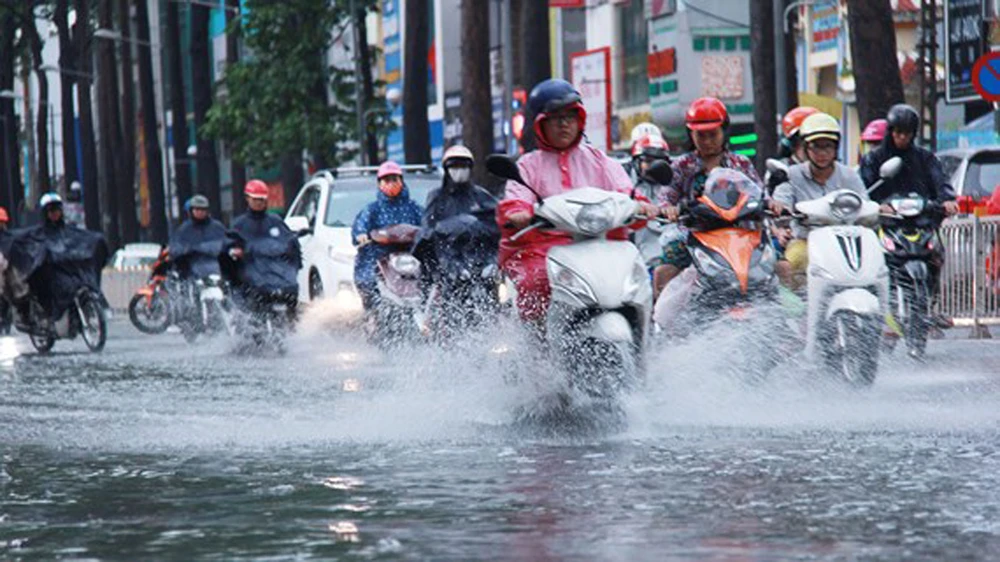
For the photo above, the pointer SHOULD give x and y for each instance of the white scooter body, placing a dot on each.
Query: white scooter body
(600, 288)
(847, 270)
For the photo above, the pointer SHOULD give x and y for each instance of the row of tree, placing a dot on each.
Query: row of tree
(281, 106)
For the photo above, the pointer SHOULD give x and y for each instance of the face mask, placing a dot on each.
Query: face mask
(391, 189)
(459, 175)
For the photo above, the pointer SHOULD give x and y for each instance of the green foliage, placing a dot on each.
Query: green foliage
(282, 97)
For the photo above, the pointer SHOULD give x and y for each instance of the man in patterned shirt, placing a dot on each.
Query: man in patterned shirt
(707, 121)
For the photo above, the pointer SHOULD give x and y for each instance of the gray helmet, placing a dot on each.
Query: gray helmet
(199, 202)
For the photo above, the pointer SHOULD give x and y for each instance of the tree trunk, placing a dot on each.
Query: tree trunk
(151, 138)
(367, 85)
(477, 104)
(416, 128)
(292, 176)
(9, 151)
(88, 145)
(765, 104)
(42, 119)
(791, 80)
(110, 130)
(201, 79)
(67, 62)
(878, 85)
(536, 65)
(237, 170)
(179, 129)
(127, 187)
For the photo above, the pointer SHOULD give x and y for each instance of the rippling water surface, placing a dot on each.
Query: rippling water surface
(156, 450)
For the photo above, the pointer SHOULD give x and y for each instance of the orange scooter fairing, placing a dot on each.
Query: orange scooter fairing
(736, 245)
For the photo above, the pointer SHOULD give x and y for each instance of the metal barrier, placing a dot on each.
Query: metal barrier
(970, 279)
(118, 286)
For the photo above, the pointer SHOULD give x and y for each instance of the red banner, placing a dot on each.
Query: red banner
(567, 3)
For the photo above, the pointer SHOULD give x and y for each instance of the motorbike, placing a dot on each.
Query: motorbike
(847, 282)
(264, 289)
(598, 319)
(149, 309)
(86, 317)
(203, 308)
(397, 316)
(459, 257)
(909, 236)
(731, 284)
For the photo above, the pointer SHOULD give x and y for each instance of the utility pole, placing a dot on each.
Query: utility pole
(780, 62)
(927, 73)
(359, 102)
(508, 73)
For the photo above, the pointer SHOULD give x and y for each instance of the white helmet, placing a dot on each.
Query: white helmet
(50, 198)
(643, 130)
(457, 152)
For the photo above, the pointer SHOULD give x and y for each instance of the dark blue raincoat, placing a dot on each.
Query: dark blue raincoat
(195, 248)
(272, 256)
(58, 260)
(381, 213)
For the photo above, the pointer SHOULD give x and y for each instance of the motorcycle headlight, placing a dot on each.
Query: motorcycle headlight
(595, 218)
(706, 263)
(634, 281)
(405, 264)
(845, 206)
(343, 254)
(571, 282)
(908, 206)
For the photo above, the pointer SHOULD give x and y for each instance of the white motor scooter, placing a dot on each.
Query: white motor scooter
(847, 280)
(601, 293)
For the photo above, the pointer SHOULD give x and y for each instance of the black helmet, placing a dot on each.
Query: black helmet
(902, 117)
(552, 95)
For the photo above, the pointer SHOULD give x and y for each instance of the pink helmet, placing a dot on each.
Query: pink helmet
(875, 131)
(389, 168)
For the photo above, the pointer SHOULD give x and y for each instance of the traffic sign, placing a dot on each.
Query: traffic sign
(986, 76)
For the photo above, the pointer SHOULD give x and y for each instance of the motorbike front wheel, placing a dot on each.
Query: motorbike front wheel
(851, 350)
(150, 315)
(93, 323)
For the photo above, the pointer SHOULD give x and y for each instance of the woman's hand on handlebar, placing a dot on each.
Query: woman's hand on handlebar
(648, 210)
(519, 219)
(950, 208)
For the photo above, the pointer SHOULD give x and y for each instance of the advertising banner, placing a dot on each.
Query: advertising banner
(590, 73)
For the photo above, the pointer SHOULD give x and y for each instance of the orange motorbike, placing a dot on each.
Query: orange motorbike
(150, 310)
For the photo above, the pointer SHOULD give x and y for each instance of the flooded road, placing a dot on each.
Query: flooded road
(156, 450)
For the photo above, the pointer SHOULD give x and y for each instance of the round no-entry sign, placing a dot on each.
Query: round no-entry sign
(986, 76)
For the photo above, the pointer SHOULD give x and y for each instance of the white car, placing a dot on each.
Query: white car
(140, 255)
(327, 205)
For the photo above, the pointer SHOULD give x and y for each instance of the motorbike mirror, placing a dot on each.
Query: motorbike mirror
(660, 172)
(890, 167)
(774, 166)
(504, 167)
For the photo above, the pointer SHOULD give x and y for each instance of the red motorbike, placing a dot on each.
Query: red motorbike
(149, 310)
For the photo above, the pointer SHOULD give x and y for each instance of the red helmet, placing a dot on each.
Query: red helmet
(792, 120)
(652, 146)
(4, 217)
(875, 131)
(256, 189)
(705, 114)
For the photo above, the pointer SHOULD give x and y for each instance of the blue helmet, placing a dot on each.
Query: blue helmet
(552, 95)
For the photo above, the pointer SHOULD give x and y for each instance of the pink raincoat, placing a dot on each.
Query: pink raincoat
(550, 173)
